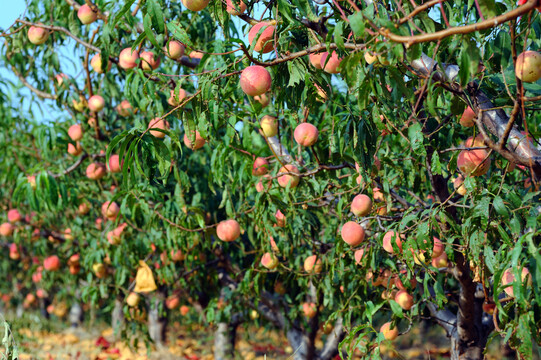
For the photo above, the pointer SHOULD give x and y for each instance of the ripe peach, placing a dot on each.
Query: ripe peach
(438, 248)
(508, 278)
(359, 255)
(96, 64)
(177, 96)
(370, 57)
(309, 309)
(75, 150)
(86, 15)
(198, 55)
(92, 122)
(265, 41)
(265, 182)
(158, 123)
(114, 236)
(132, 299)
(83, 208)
(110, 210)
(321, 93)
(99, 270)
(398, 283)
(235, 7)
(51, 263)
(331, 65)
(467, 118)
(315, 60)
(261, 166)
(195, 5)
(440, 261)
(149, 60)
(255, 80)
(269, 260)
(174, 49)
(32, 181)
(361, 205)
(388, 333)
(306, 134)
(228, 230)
(404, 299)
(14, 215)
(392, 237)
(263, 99)
(177, 255)
(95, 171)
(313, 265)
(352, 233)
(468, 160)
(274, 247)
(291, 180)
(458, 184)
(96, 103)
(528, 66)
(172, 302)
(197, 144)
(60, 78)
(124, 108)
(280, 218)
(128, 58)
(184, 310)
(269, 126)
(6, 229)
(114, 164)
(75, 132)
(37, 35)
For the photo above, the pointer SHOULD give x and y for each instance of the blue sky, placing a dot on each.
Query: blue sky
(11, 9)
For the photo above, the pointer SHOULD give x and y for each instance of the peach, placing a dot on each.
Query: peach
(6, 229)
(195, 5)
(388, 333)
(83, 208)
(37, 35)
(99, 270)
(114, 164)
(309, 309)
(75, 132)
(228, 230)
(60, 78)
(198, 55)
(458, 185)
(96, 64)
(265, 42)
(352, 233)
(404, 299)
(315, 60)
(269, 260)
(128, 58)
(95, 171)
(359, 255)
(321, 93)
(174, 50)
(32, 181)
(313, 265)
(370, 57)
(269, 126)
(40, 293)
(110, 210)
(172, 302)
(114, 236)
(158, 123)
(528, 66)
(177, 255)
(508, 278)
(149, 60)
(392, 237)
(132, 299)
(75, 150)
(96, 103)
(184, 310)
(361, 205)
(235, 7)
(74, 259)
(438, 248)
(265, 182)
(280, 218)
(197, 144)
(332, 64)
(291, 180)
(398, 283)
(263, 99)
(274, 247)
(124, 108)
(14, 216)
(86, 15)
(261, 166)
(306, 134)
(467, 118)
(469, 160)
(177, 96)
(92, 122)
(255, 80)
(51, 263)
(440, 261)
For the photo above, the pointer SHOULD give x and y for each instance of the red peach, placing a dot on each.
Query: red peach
(291, 180)
(197, 144)
(75, 150)
(359, 255)
(392, 237)
(388, 333)
(404, 299)
(37, 35)
(149, 60)
(110, 210)
(352, 233)
(75, 132)
(315, 60)
(95, 171)
(361, 205)
(265, 41)
(280, 218)
(269, 260)
(172, 302)
(306, 134)
(528, 66)
(467, 118)
(469, 160)
(96, 64)
(158, 123)
(128, 58)
(255, 80)
(177, 96)
(114, 164)
(440, 261)
(184, 310)
(83, 208)
(51, 263)
(124, 108)
(14, 216)
(6, 229)
(228, 230)
(195, 5)
(174, 50)
(86, 15)
(96, 103)
(235, 8)
(309, 309)
(313, 265)
(508, 279)
(261, 167)
(331, 65)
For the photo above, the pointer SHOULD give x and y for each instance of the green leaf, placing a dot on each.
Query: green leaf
(179, 33)
(356, 21)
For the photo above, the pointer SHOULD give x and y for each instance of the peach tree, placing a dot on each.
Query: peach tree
(338, 167)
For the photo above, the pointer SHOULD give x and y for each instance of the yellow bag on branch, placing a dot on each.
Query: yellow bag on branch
(144, 280)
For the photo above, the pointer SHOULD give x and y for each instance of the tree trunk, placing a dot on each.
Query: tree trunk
(76, 315)
(43, 303)
(117, 318)
(157, 320)
(224, 341)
